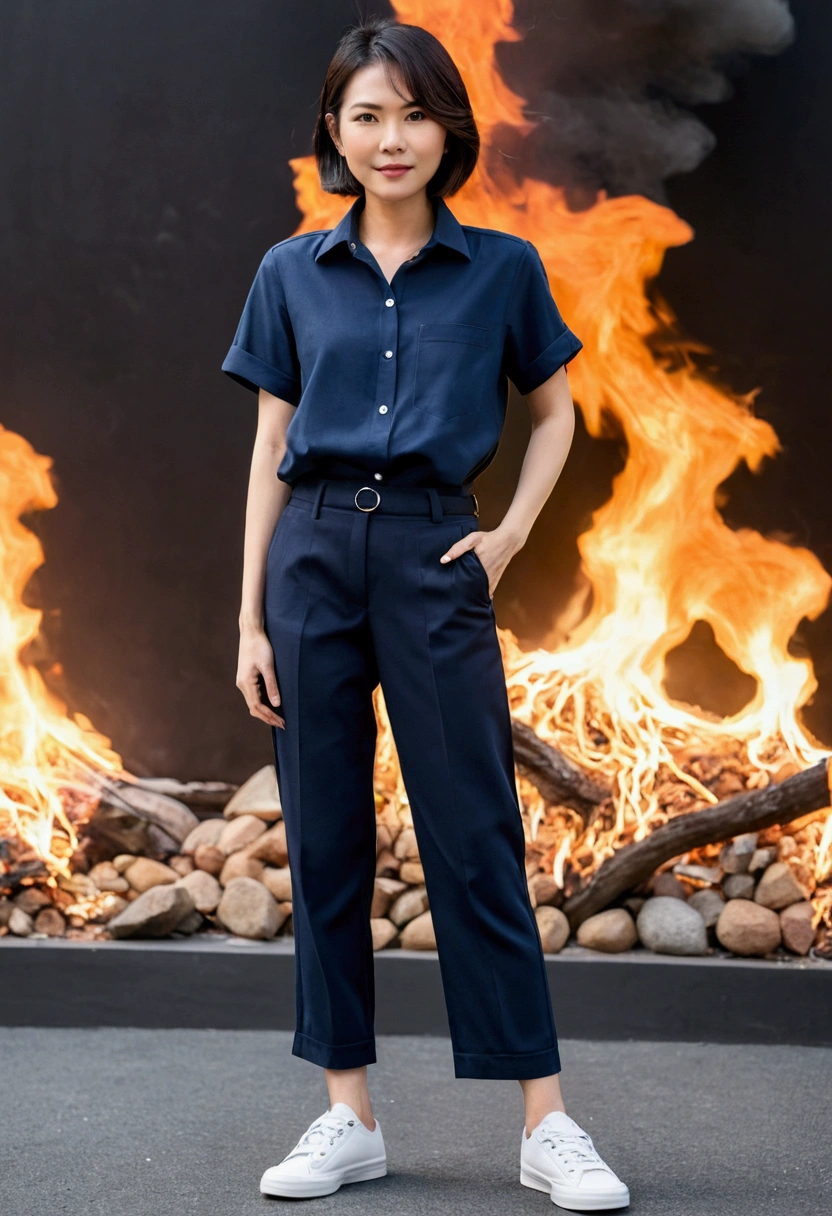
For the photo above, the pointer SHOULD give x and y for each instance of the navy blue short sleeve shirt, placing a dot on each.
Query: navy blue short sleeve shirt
(405, 382)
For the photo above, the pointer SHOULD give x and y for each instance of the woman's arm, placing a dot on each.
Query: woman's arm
(267, 496)
(553, 425)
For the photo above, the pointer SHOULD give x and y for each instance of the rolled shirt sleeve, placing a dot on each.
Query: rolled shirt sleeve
(537, 340)
(263, 353)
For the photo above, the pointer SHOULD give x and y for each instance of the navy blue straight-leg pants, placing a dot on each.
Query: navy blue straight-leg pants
(357, 597)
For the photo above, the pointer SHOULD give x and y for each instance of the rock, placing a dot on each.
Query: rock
(779, 887)
(796, 927)
(122, 860)
(203, 889)
(240, 865)
(107, 878)
(383, 931)
(51, 922)
(634, 904)
(145, 873)
(667, 925)
(553, 928)
(406, 847)
(787, 847)
(238, 832)
(668, 885)
(736, 856)
(31, 899)
(206, 832)
(110, 882)
(384, 837)
(610, 931)
(20, 923)
(209, 858)
(418, 933)
(761, 859)
(747, 928)
(156, 912)
(544, 890)
(6, 906)
(248, 909)
(287, 928)
(258, 796)
(709, 904)
(728, 784)
(387, 864)
(182, 865)
(739, 886)
(384, 892)
(80, 885)
(279, 882)
(271, 846)
(412, 872)
(711, 874)
(410, 904)
(111, 906)
(191, 924)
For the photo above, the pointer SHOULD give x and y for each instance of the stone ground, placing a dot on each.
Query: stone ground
(141, 1122)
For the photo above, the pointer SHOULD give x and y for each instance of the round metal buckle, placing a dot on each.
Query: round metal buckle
(372, 490)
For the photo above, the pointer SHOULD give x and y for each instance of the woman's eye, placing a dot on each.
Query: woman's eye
(368, 115)
(416, 113)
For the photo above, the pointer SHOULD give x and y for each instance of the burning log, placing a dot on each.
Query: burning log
(752, 811)
(167, 814)
(558, 779)
(198, 795)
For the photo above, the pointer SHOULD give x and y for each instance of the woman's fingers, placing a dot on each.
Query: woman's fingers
(250, 684)
(456, 550)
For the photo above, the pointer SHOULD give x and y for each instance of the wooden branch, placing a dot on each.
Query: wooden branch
(558, 779)
(198, 794)
(751, 811)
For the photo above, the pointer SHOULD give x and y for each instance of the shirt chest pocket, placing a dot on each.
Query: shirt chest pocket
(449, 379)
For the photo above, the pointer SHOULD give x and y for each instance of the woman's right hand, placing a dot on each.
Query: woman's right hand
(257, 659)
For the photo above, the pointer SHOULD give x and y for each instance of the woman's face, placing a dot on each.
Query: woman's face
(379, 128)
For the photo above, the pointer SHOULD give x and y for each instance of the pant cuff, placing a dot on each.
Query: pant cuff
(507, 1067)
(349, 1055)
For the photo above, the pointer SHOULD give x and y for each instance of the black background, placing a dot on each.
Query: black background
(146, 149)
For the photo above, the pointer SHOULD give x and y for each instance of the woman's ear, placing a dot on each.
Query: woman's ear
(332, 127)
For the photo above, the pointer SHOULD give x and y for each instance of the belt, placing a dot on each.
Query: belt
(390, 500)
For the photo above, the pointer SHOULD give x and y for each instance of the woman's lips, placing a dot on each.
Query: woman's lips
(395, 172)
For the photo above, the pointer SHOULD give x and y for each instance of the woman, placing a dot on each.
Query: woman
(380, 350)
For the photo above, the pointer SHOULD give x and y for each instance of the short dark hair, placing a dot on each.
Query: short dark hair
(433, 81)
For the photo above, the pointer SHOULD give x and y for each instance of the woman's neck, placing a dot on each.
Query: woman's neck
(404, 225)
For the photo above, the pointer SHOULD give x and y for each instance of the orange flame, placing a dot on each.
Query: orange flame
(48, 761)
(659, 556)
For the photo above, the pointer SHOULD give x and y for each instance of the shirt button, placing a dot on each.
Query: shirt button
(377, 476)
(388, 354)
(352, 244)
(382, 409)
(389, 303)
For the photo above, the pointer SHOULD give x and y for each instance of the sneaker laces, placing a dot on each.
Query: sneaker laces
(576, 1148)
(328, 1128)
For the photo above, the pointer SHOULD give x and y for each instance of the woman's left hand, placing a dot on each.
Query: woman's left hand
(495, 549)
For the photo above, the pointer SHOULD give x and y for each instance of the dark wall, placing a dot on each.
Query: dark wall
(146, 150)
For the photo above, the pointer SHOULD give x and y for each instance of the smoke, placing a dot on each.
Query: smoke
(609, 81)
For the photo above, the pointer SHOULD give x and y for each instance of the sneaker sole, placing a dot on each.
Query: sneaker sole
(576, 1201)
(309, 1188)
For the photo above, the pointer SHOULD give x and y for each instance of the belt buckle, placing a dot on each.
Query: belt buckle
(372, 490)
(476, 504)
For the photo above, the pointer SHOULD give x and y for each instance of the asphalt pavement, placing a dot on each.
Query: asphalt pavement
(98, 1122)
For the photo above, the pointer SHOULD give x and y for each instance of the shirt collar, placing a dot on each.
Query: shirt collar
(447, 230)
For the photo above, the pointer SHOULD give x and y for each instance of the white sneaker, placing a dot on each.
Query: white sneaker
(559, 1157)
(336, 1148)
